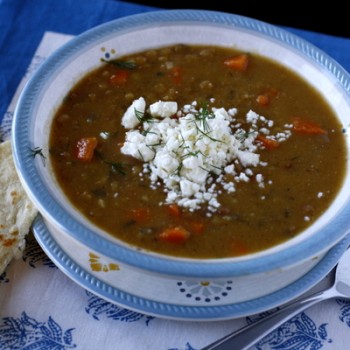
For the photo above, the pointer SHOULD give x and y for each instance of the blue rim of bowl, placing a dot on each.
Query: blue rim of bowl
(331, 233)
(185, 312)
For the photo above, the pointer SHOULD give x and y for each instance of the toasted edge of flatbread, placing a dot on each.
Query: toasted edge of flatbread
(17, 212)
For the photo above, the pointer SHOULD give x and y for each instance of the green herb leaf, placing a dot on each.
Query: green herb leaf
(242, 136)
(117, 167)
(38, 151)
(121, 64)
(143, 117)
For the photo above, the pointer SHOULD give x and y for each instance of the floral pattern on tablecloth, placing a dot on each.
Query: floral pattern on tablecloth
(26, 333)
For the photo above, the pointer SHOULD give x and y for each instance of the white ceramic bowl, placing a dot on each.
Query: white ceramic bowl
(125, 268)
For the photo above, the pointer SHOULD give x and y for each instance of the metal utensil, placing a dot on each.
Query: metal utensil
(247, 336)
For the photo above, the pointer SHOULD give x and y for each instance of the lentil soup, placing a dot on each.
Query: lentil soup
(197, 151)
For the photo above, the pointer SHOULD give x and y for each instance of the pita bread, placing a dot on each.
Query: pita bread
(16, 210)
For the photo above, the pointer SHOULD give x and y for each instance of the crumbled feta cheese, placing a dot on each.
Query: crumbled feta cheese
(230, 169)
(264, 131)
(260, 180)
(249, 172)
(248, 158)
(169, 65)
(166, 163)
(232, 112)
(229, 187)
(129, 119)
(104, 135)
(252, 117)
(135, 146)
(198, 154)
(163, 109)
(242, 177)
(188, 188)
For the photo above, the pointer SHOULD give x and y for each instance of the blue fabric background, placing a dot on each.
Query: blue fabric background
(23, 23)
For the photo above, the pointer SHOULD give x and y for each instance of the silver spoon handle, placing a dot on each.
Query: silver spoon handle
(249, 335)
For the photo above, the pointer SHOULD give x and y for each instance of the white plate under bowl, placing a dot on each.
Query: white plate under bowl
(194, 293)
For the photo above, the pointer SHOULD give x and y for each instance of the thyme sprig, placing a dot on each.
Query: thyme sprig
(145, 132)
(116, 167)
(192, 154)
(37, 151)
(121, 64)
(243, 135)
(203, 115)
(206, 133)
(201, 122)
(141, 155)
(143, 116)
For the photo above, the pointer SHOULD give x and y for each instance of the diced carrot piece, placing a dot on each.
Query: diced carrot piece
(196, 227)
(177, 235)
(238, 247)
(272, 92)
(238, 62)
(269, 144)
(307, 127)
(85, 148)
(263, 100)
(174, 210)
(119, 78)
(176, 75)
(140, 215)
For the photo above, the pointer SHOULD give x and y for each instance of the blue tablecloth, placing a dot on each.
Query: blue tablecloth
(40, 308)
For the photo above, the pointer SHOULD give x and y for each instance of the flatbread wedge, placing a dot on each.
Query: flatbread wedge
(17, 212)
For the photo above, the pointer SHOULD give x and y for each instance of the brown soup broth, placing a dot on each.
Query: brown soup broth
(302, 176)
